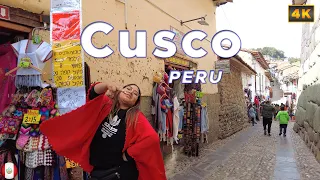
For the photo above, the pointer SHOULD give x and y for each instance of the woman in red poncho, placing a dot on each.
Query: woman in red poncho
(110, 139)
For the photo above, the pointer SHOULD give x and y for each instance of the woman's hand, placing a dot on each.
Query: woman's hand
(108, 88)
(124, 157)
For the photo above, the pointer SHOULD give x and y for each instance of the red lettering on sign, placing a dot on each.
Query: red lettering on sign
(4, 12)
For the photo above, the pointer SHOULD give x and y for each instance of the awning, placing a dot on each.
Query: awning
(243, 66)
(268, 75)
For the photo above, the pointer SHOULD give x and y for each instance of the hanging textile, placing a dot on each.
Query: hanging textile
(176, 118)
(192, 125)
(178, 87)
(37, 54)
(29, 108)
(177, 114)
(87, 76)
(204, 123)
(8, 61)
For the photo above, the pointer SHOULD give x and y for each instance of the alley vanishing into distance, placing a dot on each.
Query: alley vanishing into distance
(250, 154)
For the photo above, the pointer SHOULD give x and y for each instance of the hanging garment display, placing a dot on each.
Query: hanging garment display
(176, 118)
(178, 87)
(192, 125)
(183, 123)
(204, 123)
(37, 55)
(8, 61)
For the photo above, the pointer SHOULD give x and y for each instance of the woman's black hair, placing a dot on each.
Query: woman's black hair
(138, 100)
(282, 108)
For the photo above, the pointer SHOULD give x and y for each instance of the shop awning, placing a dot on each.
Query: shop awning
(243, 66)
(268, 75)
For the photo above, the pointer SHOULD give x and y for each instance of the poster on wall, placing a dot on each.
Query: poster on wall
(177, 40)
(70, 98)
(66, 25)
(67, 62)
(60, 4)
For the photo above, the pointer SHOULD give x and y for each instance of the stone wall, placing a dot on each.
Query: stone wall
(308, 119)
(232, 116)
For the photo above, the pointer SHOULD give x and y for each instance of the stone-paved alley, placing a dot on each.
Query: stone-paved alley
(251, 155)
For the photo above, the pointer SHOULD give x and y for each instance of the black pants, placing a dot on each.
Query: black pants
(267, 121)
(252, 121)
(284, 127)
(127, 171)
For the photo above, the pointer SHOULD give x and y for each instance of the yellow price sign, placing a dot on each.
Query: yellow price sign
(178, 61)
(31, 118)
(70, 163)
(67, 64)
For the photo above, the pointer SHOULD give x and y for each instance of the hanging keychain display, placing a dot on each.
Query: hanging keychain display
(36, 38)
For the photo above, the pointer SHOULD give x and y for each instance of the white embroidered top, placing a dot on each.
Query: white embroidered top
(38, 53)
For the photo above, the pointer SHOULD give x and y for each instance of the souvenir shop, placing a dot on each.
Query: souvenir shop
(179, 114)
(26, 100)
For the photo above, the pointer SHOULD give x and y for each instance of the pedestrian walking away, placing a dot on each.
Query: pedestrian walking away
(252, 114)
(283, 118)
(277, 109)
(267, 114)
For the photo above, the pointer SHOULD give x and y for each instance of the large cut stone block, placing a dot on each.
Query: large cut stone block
(296, 127)
(306, 126)
(302, 101)
(316, 98)
(300, 116)
(318, 156)
(311, 134)
(316, 137)
(310, 112)
(316, 120)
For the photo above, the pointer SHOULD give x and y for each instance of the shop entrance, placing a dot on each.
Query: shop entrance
(11, 35)
(8, 61)
(177, 110)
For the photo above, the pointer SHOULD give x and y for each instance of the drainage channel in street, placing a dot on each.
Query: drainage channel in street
(286, 167)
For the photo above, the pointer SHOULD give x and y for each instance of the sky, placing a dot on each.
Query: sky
(261, 23)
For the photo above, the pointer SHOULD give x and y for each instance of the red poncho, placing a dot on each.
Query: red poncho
(71, 134)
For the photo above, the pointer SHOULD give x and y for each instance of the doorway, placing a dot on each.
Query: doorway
(8, 61)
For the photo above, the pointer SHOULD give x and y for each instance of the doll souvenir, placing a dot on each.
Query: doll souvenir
(17, 97)
(8, 111)
(32, 99)
(18, 114)
(45, 97)
(45, 113)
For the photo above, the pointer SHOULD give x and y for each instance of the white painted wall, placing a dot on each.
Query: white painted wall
(259, 81)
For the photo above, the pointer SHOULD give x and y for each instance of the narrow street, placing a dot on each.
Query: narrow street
(251, 155)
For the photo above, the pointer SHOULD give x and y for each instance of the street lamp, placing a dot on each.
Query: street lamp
(202, 21)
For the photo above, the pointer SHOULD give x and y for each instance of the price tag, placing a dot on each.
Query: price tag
(70, 163)
(32, 117)
(25, 62)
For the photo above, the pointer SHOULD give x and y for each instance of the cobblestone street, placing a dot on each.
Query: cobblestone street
(251, 155)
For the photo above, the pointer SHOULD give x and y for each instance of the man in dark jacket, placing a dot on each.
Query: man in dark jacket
(267, 113)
